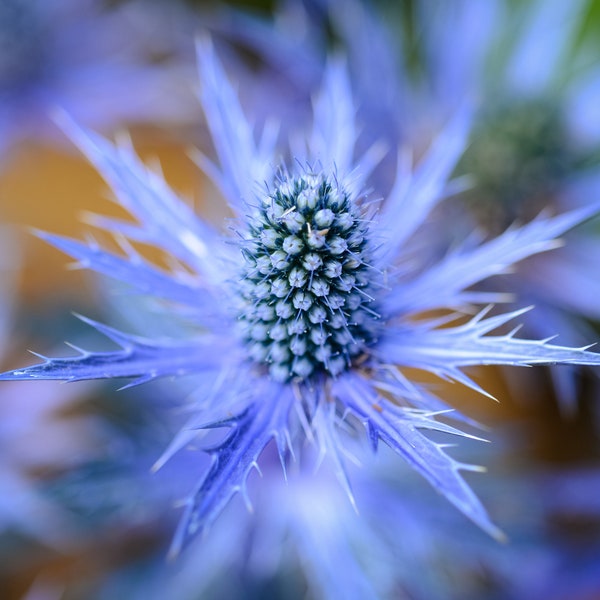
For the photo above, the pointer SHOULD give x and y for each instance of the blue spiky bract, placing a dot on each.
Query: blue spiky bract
(304, 317)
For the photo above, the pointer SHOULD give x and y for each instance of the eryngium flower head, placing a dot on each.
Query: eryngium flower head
(302, 320)
(306, 286)
(97, 62)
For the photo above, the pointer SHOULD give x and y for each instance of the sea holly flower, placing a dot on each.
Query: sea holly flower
(535, 143)
(81, 55)
(35, 438)
(527, 149)
(302, 318)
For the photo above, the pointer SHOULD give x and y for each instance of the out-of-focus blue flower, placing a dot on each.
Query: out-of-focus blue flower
(529, 149)
(535, 141)
(318, 311)
(101, 64)
(35, 439)
(304, 539)
(300, 533)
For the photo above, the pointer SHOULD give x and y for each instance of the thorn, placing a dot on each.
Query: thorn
(246, 497)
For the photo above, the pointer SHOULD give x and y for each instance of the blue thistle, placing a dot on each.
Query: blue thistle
(302, 320)
(81, 55)
(535, 144)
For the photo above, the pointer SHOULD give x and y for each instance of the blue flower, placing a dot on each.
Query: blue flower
(535, 143)
(34, 437)
(93, 61)
(402, 540)
(319, 309)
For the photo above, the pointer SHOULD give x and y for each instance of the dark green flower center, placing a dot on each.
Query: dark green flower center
(519, 154)
(306, 282)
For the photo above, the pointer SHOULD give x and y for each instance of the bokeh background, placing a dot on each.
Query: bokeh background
(81, 515)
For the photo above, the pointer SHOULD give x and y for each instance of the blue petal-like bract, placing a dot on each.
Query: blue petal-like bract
(443, 350)
(140, 358)
(400, 430)
(443, 284)
(243, 163)
(415, 195)
(250, 432)
(164, 220)
(132, 270)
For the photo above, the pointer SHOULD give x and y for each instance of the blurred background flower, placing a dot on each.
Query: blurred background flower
(107, 66)
(40, 436)
(534, 146)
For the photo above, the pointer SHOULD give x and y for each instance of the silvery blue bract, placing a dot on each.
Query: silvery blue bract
(96, 61)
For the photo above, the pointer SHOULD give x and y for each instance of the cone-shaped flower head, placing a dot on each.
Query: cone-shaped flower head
(307, 279)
